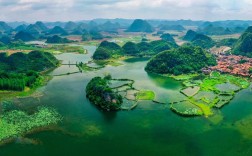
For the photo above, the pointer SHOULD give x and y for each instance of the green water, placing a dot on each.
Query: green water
(150, 129)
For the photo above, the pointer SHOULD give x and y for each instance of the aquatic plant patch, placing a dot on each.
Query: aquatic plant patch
(145, 95)
(16, 123)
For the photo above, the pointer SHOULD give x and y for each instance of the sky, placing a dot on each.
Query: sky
(75, 10)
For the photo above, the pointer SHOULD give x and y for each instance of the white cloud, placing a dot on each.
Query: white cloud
(87, 9)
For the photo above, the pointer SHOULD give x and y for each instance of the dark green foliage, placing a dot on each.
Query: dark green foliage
(21, 63)
(107, 50)
(130, 48)
(203, 41)
(19, 70)
(101, 54)
(244, 44)
(167, 37)
(110, 45)
(144, 46)
(100, 94)
(140, 26)
(144, 40)
(250, 70)
(17, 82)
(161, 45)
(24, 36)
(227, 42)
(189, 35)
(242, 61)
(183, 60)
(57, 39)
(248, 30)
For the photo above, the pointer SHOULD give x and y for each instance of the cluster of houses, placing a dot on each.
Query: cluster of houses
(232, 64)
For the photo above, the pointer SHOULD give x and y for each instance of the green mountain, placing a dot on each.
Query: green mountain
(244, 44)
(57, 30)
(57, 39)
(4, 27)
(214, 30)
(140, 26)
(5, 40)
(107, 50)
(41, 26)
(91, 35)
(183, 60)
(22, 63)
(110, 27)
(34, 30)
(189, 35)
(203, 41)
(21, 28)
(24, 36)
(172, 27)
(70, 26)
(167, 37)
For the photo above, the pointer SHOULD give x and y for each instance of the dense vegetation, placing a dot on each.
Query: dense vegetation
(100, 94)
(214, 30)
(230, 42)
(167, 37)
(57, 39)
(140, 26)
(21, 63)
(19, 70)
(24, 36)
(203, 41)
(91, 35)
(17, 123)
(244, 44)
(16, 81)
(199, 39)
(130, 48)
(107, 50)
(186, 59)
(189, 35)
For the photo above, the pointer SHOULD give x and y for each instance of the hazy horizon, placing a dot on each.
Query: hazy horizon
(77, 10)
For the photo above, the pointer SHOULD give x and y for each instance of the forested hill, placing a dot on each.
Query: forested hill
(183, 60)
(107, 50)
(21, 63)
(244, 45)
(140, 26)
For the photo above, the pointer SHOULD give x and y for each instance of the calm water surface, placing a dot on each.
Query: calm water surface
(150, 129)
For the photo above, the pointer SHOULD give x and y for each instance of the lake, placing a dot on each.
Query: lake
(150, 129)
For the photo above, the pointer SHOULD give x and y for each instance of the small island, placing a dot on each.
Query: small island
(101, 94)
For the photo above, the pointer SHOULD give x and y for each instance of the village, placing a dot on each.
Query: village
(232, 64)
